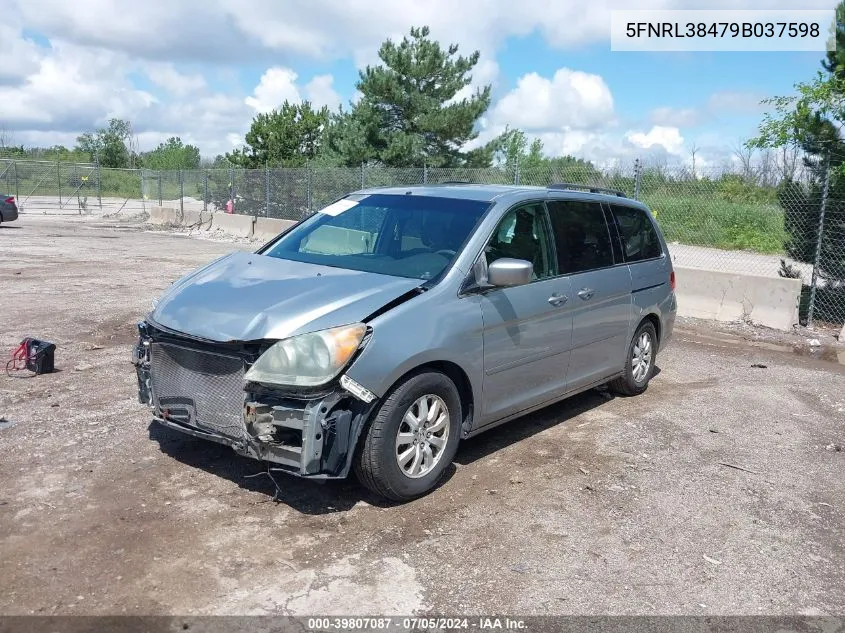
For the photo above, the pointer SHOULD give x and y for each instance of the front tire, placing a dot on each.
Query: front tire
(412, 438)
(640, 362)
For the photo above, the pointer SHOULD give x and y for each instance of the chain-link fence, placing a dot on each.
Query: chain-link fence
(70, 188)
(736, 218)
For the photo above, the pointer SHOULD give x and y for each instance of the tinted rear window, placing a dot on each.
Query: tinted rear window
(581, 235)
(399, 235)
(639, 239)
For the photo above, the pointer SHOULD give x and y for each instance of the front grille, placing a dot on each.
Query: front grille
(203, 389)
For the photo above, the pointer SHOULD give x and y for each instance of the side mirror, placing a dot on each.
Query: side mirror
(507, 272)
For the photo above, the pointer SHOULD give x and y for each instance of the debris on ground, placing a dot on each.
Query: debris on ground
(735, 467)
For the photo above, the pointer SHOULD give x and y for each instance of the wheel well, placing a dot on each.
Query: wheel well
(456, 375)
(656, 323)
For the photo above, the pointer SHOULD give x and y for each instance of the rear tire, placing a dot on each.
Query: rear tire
(639, 363)
(412, 438)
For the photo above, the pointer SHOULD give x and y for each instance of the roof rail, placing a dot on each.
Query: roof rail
(454, 182)
(590, 188)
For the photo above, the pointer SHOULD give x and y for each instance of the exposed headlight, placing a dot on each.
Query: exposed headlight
(308, 360)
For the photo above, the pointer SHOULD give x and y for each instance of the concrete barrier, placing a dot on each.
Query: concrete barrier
(720, 296)
(267, 228)
(197, 219)
(238, 225)
(163, 215)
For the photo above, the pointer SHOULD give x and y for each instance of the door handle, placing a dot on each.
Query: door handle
(558, 300)
(585, 293)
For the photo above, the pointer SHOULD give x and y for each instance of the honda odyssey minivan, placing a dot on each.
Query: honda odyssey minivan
(379, 332)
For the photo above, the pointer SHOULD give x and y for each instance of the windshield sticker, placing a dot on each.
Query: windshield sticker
(338, 207)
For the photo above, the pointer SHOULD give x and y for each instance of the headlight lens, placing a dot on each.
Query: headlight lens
(308, 360)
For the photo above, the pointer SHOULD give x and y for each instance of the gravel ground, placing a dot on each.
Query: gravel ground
(718, 491)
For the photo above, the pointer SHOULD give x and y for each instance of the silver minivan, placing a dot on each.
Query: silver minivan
(377, 333)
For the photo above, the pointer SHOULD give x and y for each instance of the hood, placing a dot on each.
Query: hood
(247, 297)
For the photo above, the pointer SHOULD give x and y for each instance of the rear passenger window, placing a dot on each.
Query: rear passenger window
(581, 235)
(639, 239)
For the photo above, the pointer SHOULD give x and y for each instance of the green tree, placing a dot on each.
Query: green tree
(410, 112)
(812, 120)
(172, 154)
(513, 151)
(108, 145)
(288, 137)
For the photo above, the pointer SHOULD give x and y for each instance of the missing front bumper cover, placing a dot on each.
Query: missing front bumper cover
(307, 435)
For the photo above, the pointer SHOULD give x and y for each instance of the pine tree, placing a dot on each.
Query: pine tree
(410, 111)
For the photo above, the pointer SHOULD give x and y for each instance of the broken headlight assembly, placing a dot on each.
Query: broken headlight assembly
(308, 360)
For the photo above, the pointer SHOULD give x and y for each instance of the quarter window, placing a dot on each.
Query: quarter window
(581, 236)
(639, 238)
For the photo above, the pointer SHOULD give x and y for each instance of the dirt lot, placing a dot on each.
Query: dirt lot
(597, 505)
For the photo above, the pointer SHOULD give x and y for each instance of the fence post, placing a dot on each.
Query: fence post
(181, 196)
(17, 194)
(362, 174)
(308, 192)
(637, 179)
(160, 197)
(232, 187)
(266, 191)
(815, 279)
(205, 191)
(516, 173)
(143, 188)
(99, 186)
(425, 174)
(59, 182)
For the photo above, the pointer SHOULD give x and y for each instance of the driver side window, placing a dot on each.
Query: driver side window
(523, 234)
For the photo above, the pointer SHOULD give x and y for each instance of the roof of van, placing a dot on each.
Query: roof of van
(491, 193)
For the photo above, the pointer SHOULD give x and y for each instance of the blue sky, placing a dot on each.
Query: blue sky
(201, 69)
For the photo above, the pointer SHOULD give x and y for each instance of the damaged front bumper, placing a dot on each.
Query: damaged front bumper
(197, 388)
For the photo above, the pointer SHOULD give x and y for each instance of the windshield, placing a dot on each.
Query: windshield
(400, 235)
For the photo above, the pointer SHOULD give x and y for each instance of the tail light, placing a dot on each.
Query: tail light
(672, 279)
(10, 200)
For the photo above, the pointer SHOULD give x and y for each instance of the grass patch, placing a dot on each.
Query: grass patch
(718, 223)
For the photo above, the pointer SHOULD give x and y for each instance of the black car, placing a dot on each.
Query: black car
(8, 208)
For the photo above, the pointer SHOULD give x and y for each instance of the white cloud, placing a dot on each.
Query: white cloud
(165, 75)
(20, 56)
(667, 137)
(69, 86)
(85, 75)
(276, 86)
(230, 31)
(320, 92)
(570, 100)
